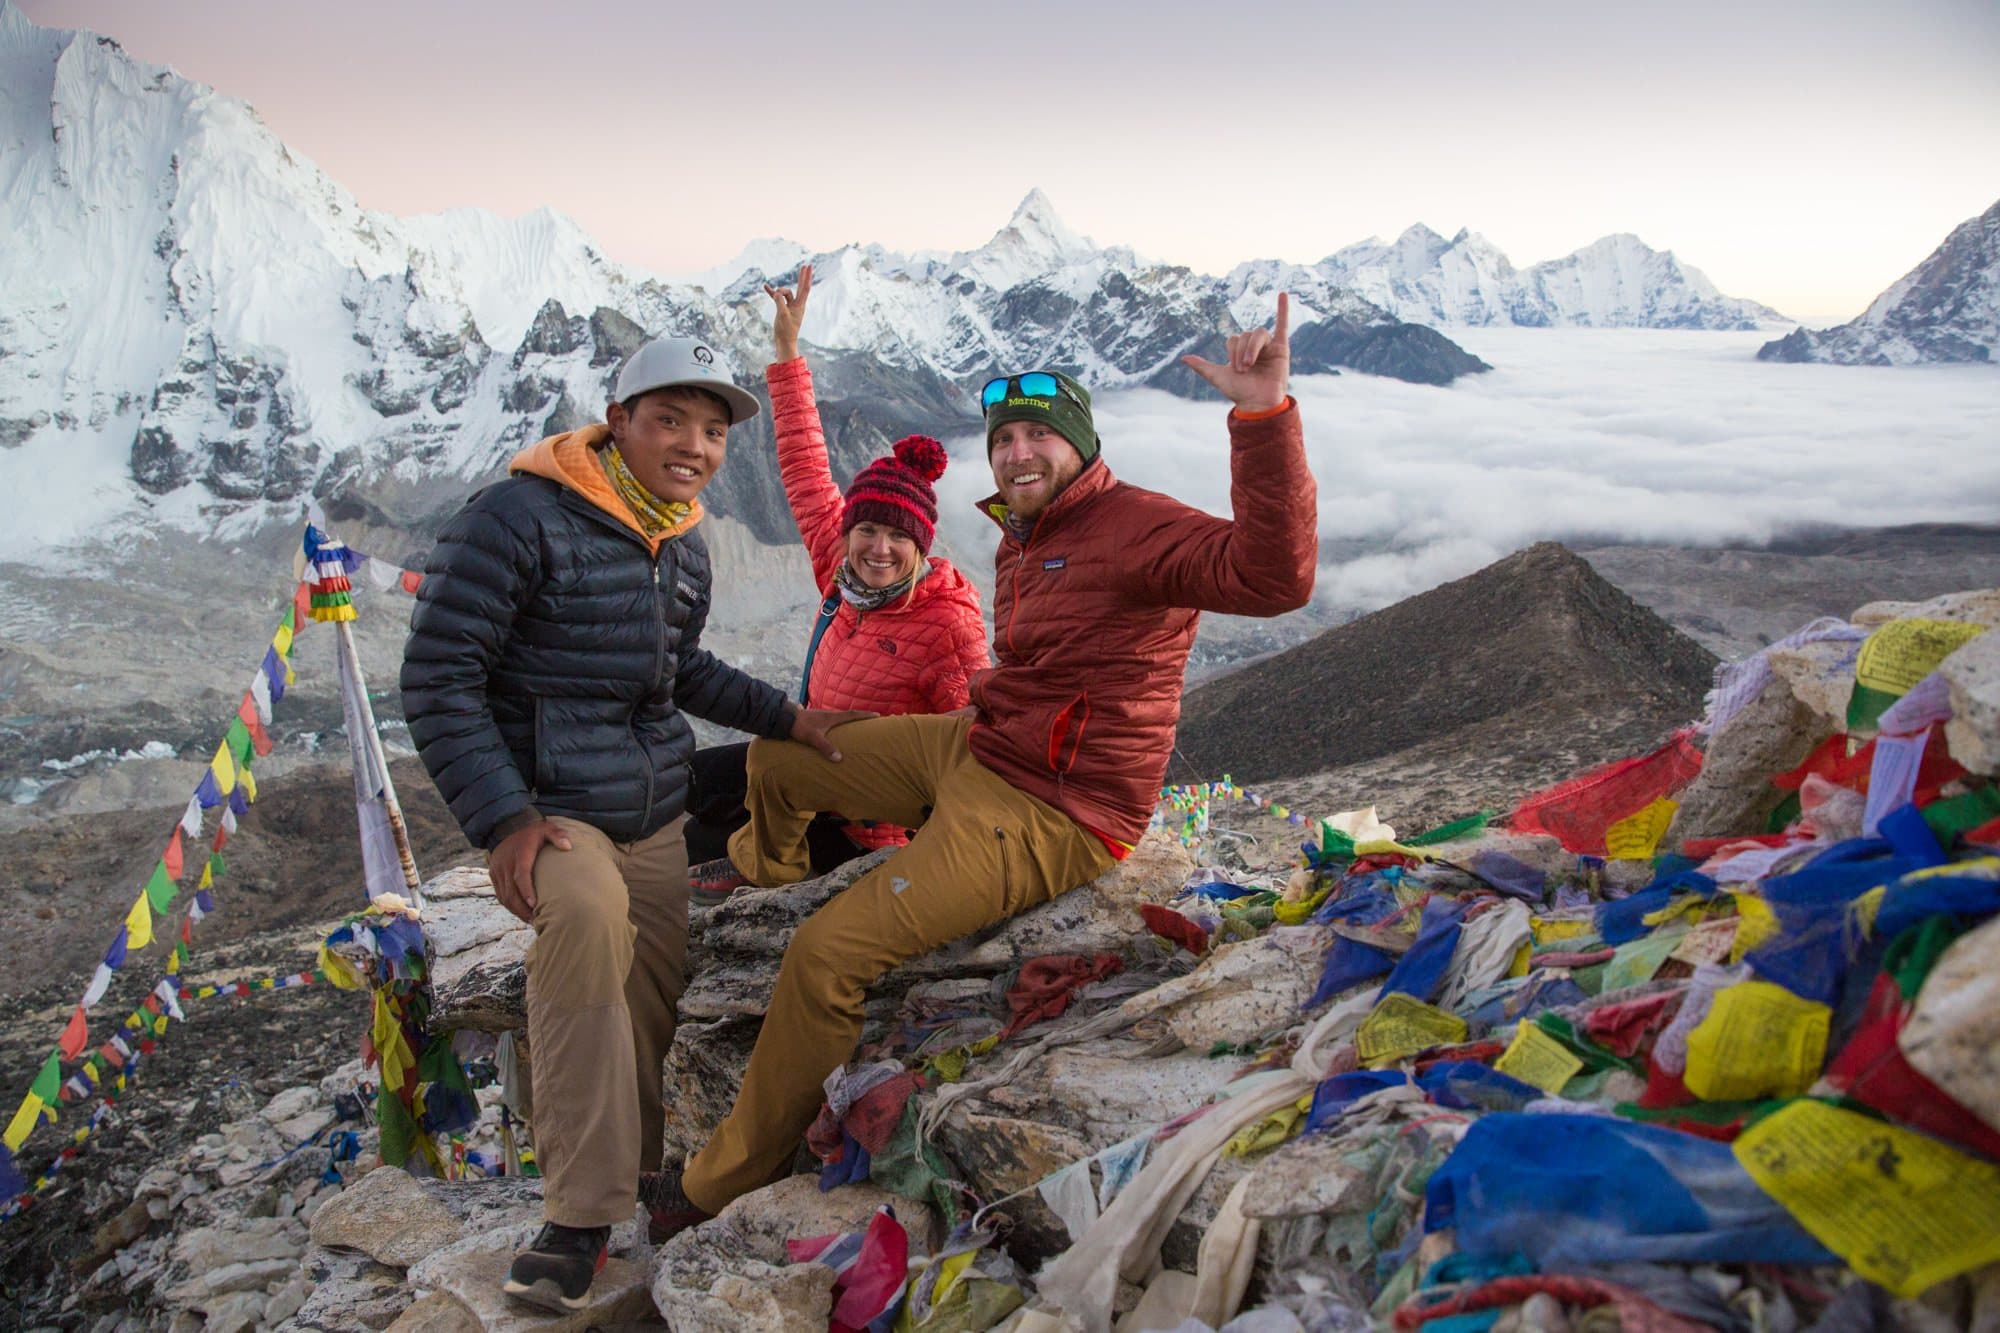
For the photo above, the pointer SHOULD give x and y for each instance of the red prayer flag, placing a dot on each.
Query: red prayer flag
(412, 580)
(1578, 812)
(74, 1035)
(171, 858)
(260, 740)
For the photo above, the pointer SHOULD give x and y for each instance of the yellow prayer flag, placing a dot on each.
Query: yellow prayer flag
(1637, 836)
(1756, 922)
(139, 924)
(224, 769)
(1402, 1025)
(1547, 932)
(391, 1048)
(1905, 1210)
(1902, 652)
(23, 1123)
(207, 877)
(1759, 1040)
(1537, 1058)
(282, 640)
(249, 781)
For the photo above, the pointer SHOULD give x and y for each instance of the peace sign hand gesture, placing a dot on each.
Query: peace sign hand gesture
(1257, 372)
(790, 314)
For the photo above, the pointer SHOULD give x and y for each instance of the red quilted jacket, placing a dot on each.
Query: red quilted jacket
(916, 657)
(1094, 614)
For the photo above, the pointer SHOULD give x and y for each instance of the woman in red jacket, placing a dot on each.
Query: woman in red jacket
(897, 631)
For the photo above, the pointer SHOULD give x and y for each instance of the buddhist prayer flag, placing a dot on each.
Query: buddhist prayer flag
(139, 924)
(260, 692)
(223, 769)
(160, 890)
(253, 725)
(100, 982)
(47, 1087)
(74, 1034)
(191, 817)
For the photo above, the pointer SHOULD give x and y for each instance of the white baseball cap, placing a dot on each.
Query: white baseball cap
(688, 363)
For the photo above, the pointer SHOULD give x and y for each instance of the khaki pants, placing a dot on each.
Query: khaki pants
(984, 852)
(608, 964)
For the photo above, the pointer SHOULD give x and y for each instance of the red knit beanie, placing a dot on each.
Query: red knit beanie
(896, 492)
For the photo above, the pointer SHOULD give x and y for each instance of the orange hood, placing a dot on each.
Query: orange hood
(571, 460)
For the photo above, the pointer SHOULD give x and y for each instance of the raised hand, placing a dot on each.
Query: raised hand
(790, 314)
(1257, 372)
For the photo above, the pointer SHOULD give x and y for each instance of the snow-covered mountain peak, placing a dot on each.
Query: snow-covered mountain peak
(1945, 309)
(1034, 243)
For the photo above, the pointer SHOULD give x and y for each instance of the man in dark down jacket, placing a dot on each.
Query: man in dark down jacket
(553, 653)
(1052, 774)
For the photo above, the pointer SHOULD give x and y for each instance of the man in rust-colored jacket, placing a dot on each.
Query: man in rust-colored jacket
(1052, 773)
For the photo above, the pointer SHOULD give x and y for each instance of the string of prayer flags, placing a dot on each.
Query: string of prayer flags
(330, 597)
(227, 783)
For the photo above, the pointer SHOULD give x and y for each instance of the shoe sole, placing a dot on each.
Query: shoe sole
(543, 1293)
(708, 897)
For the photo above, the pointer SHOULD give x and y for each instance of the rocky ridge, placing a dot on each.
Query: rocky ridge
(1615, 282)
(1945, 309)
(1537, 644)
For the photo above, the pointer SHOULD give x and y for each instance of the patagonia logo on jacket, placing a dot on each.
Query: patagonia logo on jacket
(1055, 562)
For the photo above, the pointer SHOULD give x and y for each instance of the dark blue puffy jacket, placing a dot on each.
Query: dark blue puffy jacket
(551, 658)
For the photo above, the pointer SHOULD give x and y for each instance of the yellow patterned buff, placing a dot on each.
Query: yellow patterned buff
(655, 515)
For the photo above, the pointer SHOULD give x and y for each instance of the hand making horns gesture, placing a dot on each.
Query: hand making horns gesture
(790, 314)
(1257, 373)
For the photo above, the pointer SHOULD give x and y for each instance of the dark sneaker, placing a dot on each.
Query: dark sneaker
(555, 1272)
(668, 1208)
(711, 882)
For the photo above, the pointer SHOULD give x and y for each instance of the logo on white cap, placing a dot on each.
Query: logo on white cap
(704, 356)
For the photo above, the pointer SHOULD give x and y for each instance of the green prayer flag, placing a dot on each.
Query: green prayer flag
(1458, 828)
(48, 1083)
(214, 864)
(1961, 813)
(238, 740)
(161, 889)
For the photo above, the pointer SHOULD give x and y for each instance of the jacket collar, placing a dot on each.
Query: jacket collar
(1094, 480)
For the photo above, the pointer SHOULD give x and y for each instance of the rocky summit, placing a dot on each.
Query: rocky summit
(1330, 1051)
(1535, 649)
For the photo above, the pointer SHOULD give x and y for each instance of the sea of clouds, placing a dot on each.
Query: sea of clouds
(1586, 436)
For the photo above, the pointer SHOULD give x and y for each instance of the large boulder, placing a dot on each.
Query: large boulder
(1973, 673)
(735, 950)
(1733, 793)
(477, 952)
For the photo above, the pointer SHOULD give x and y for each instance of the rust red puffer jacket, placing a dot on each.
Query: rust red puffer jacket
(916, 657)
(1094, 613)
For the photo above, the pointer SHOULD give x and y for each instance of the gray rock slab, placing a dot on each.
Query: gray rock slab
(388, 1215)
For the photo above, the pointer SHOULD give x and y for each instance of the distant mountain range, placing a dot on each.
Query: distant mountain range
(200, 327)
(1945, 309)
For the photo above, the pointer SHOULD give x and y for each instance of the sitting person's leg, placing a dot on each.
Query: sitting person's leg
(986, 854)
(717, 779)
(888, 771)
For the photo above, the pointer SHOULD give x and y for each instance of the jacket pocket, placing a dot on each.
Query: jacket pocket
(1066, 733)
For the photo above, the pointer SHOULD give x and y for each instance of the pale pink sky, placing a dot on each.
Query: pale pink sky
(1805, 154)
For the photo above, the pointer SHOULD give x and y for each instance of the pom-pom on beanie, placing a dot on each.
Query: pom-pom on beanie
(896, 491)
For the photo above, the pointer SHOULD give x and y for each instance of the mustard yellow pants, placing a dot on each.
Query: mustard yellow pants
(982, 852)
(608, 964)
